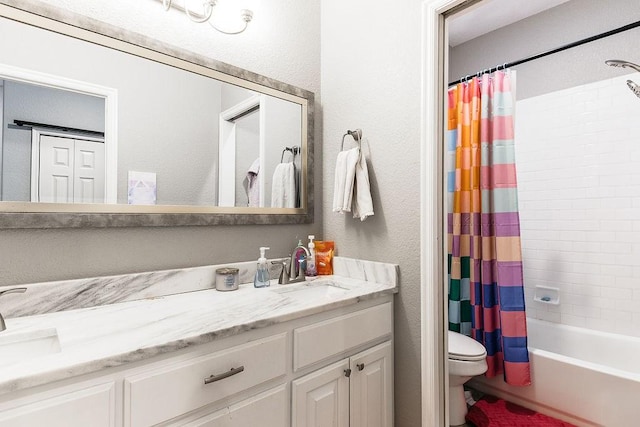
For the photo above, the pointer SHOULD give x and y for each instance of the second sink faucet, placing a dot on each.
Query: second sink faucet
(298, 261)
(8, 291)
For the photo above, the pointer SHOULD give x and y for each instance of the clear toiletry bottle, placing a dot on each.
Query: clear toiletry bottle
(311, 261)
(261, 279)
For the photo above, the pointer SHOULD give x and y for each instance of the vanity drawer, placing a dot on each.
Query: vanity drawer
(322, 340)
(159, 395)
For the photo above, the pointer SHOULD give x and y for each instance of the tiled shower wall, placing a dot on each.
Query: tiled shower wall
(578, 165)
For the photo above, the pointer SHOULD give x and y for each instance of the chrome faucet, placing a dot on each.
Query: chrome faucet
(292, 271)
(283, 279)
(295, 265)
(8, 291)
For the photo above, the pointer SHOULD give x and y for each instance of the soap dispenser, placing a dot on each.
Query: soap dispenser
(261, 279)
(311, 261)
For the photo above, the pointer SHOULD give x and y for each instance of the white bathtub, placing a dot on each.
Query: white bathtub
(578, 375)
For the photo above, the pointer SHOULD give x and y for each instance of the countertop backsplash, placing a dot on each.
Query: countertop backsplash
(50, 297)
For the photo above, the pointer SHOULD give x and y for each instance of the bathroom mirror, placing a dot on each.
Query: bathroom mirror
(179, 139)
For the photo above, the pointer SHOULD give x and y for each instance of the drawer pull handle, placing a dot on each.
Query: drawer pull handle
(232, 372)
(347, 372)
(360, 366)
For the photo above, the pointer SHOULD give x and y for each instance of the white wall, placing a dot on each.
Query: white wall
(371, 80)
(578, 174)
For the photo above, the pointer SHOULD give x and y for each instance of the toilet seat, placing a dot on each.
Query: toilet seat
(464, 348)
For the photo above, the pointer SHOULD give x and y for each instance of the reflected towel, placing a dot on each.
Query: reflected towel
(344, 180)
(362, 202)
(253, 184)
(283, 188)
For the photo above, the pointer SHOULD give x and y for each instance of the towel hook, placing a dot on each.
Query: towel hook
(356, 135)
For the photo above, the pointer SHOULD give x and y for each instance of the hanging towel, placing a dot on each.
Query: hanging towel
(352, 190)
(253, 187)
(344, 180)
(362, 203)
(283, 188)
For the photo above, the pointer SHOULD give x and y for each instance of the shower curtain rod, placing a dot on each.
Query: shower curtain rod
(556, 50)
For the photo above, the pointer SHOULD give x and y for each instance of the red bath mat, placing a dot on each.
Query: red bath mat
(493, 412)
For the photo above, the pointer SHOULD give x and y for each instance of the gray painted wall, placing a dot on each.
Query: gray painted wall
(548, 30)
(371, 80)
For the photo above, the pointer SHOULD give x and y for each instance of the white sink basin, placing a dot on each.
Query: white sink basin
(318, 288)
(19, 346)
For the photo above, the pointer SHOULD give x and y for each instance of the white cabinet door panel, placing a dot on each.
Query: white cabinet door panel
(372, 387)
(321, 398)
(268, 409)
(88, 406)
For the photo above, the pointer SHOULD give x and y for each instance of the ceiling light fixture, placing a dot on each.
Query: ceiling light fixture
(207, 13)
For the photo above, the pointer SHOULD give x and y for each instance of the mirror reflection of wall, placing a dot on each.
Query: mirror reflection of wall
(167, 118)
(282, 127)
(260, 129)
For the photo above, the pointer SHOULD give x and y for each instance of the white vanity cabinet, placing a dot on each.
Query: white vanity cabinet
(356, 391)
(329, 368)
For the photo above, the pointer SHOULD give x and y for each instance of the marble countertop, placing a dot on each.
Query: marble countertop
(95, 338)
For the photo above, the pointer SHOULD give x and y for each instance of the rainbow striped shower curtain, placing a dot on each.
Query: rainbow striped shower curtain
(486, 293)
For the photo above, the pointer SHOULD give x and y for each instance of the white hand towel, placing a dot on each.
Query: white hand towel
(344, 180)
(283, 187)
(362, 204)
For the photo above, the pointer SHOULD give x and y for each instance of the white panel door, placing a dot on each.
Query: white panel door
(321, 399)
(71, 170)
(372, 387)
(55, 184)
(89, 172)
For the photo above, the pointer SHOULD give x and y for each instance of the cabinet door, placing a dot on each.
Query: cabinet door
(268, 409)
(371, 387)
(322, 398)
(81, 406)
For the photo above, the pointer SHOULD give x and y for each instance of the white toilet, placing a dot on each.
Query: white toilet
(467, 358)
